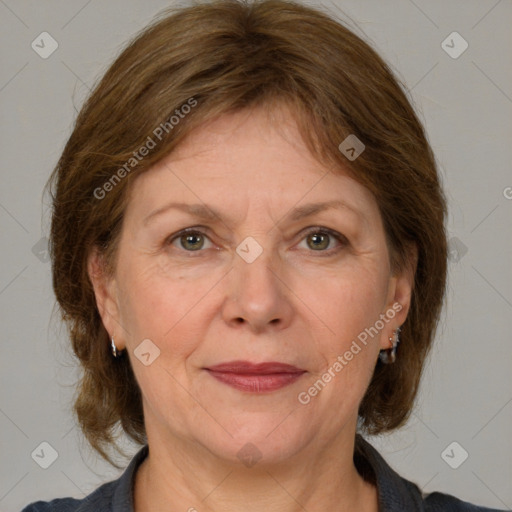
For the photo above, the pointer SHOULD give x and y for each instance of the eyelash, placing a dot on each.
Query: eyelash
(313, 230)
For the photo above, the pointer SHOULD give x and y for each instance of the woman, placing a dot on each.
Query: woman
(248, 247)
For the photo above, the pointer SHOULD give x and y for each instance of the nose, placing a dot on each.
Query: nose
(258, 297)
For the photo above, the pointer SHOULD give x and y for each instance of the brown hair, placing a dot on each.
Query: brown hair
(228, 55)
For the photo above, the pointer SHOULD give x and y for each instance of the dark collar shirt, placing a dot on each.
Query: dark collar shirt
(396, 494)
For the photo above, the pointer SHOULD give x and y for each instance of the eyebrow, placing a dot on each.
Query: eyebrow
(308, 210)
(204, 212)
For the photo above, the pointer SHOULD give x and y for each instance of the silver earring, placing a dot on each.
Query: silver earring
(115, 353)
(388, 356)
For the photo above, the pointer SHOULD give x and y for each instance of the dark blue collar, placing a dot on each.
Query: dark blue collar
(122, 499)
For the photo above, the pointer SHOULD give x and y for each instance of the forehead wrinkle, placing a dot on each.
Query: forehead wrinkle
(209, 213)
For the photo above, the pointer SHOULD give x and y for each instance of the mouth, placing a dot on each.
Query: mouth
(255, 378)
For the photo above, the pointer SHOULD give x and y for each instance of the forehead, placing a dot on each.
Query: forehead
(247, 158)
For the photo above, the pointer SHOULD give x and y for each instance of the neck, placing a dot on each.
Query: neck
(184, 476)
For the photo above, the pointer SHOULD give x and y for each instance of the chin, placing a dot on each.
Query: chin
(258, 441)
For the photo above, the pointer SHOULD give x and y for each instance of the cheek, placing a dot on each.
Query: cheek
(159, 306)
(350, 301)
(349, 304)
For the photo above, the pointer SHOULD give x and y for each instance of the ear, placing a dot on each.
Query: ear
(105, 290)
(401, 285)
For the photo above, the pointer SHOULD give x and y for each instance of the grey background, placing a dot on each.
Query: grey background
(466, 105)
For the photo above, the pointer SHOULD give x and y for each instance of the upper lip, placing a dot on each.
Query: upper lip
(246, 367)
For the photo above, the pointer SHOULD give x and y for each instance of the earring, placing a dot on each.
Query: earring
(115, 353)
(388, 356)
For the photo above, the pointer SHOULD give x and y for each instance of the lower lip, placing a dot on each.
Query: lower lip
(256, 383)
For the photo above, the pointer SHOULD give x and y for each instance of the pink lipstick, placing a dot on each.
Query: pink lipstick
(255, 378)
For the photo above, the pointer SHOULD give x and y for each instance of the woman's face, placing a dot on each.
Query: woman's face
(292, 268)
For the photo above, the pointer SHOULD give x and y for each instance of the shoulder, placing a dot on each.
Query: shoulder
(397, 493)
(439, 502)
(99, 500)
(58, 505)
(111, 496)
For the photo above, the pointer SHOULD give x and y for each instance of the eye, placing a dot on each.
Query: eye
(191, 240)
(319, 239)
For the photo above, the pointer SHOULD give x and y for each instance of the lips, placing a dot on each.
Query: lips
(255, 378)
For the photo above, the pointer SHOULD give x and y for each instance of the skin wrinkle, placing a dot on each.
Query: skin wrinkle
(196, 425)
